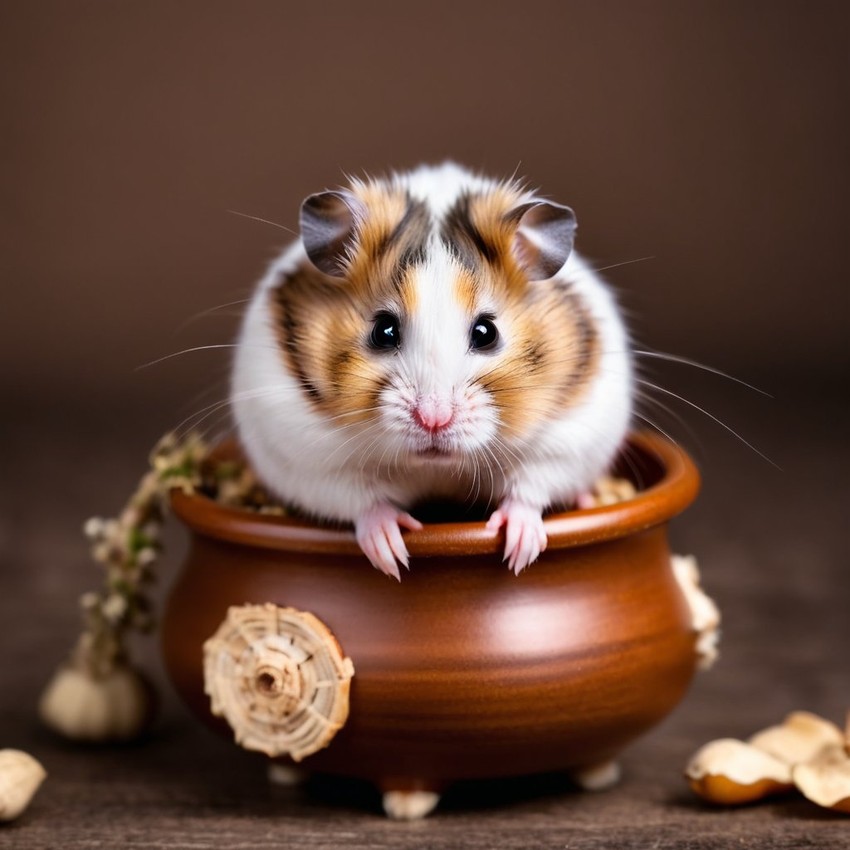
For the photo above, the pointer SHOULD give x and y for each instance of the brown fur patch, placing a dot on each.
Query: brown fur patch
(550, 361)
(390, 239)
(467, 288)
(385, 209)
(480, 230)
(323, 324)
(321, 330)
(489, 213)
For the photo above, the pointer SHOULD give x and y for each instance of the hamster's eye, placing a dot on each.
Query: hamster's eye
(484, 335)
(385, 332)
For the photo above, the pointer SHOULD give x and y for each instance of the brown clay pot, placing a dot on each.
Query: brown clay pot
(464, 670)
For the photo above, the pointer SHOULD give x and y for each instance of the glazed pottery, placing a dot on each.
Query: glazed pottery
(462, 670)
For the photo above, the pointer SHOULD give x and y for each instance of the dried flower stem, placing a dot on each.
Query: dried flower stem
(128, 546)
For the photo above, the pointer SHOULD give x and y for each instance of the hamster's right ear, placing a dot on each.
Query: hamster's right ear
(544, 237)
(328, 228)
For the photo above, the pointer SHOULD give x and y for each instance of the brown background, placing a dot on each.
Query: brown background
(711, 136)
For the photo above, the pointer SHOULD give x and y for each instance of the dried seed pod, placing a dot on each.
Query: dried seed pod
(279, 678)
(20, 777)
(799, 738)
(608, 490)
(731, 772)
(705, 616)
(825, 779)
(116, 706)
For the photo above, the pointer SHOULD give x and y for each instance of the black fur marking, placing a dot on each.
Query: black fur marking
(534, 355)
(562, 286)
(408, 238)
(375, 395)
(413, 226)
(342, 359)
(290, 330)
(578, 372)
(462, 237)
(338, 364)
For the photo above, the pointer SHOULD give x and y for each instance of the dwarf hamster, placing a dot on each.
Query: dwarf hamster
(432, 334)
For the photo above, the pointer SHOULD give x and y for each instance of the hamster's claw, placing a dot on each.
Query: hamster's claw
(378, 532)
(525, 535)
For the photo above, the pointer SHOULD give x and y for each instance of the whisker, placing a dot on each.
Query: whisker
(710, 416)
(208, 312)
(655, 425)
(642, 397)
(629, 455)
(210, 409)
(263, 221)
(686, 361)
(624, 263)
(199, 348)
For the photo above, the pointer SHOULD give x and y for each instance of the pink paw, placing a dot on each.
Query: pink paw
(378, 532)
(525, 536)
(585, 501)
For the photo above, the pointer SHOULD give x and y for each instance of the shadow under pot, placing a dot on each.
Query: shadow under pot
(280, 633)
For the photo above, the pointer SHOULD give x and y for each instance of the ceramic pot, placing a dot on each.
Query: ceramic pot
(462, 670)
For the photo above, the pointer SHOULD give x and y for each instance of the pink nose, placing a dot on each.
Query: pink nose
(432, 418)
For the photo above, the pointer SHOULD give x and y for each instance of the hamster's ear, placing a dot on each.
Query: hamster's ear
(328, 227)
(543, 238)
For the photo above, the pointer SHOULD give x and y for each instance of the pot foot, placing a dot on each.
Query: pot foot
(597, 777)
(286, 776)
(410, 805)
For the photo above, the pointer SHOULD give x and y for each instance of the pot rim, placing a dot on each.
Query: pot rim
(676, 488)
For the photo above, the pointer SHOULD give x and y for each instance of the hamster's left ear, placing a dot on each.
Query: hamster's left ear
(543, 238)
(328, 229)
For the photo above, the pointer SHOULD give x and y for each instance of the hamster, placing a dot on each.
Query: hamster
(432, 334)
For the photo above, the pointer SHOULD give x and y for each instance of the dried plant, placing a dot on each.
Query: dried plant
(127, 547)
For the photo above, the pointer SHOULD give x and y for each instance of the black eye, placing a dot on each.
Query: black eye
(484, 334)
(385, 332)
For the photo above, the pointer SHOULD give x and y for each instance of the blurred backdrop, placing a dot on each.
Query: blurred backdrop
(703, 145)
(709, 136)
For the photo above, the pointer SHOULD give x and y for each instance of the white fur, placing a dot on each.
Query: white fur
(440, 185)
(340, 471)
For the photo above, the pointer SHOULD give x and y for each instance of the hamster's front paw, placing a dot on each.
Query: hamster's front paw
(525, 536)
(585, 501)
(378, 532)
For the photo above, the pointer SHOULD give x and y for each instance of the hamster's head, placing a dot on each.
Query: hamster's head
(429, 318)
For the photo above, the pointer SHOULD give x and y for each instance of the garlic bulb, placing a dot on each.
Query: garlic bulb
(20, 777)
(114, 707)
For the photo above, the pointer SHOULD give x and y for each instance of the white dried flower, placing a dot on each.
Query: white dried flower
(101, 552)
(114, 607)
(131, 517)
(89, 601)
(111, 529)
(93, 527)
(145, 556)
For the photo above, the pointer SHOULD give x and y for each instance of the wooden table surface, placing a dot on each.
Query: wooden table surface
(773, 549)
